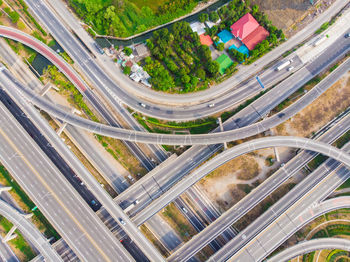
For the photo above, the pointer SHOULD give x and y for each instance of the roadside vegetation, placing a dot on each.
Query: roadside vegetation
(176, 220)
(115, 147)
(19, 244)
(180, 63)
(123, 18)
(26, 204)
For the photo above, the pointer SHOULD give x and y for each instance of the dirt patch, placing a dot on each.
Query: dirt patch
(334, 101)
(284, 14)
(291, 16)
(231, 182)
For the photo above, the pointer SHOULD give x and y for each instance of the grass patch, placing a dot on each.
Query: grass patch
(178, 222)
(317, 161)
(19, 242)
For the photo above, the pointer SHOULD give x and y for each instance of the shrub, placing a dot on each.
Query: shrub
(203, 17)
(127, 50)
(127, 70)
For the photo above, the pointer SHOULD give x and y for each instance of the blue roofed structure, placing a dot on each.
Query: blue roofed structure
(242, 49)
(225, 36)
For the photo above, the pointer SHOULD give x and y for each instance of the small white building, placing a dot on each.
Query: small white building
(136, 77)
(198, 27)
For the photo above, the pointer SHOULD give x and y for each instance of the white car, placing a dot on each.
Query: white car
(143, 105)
(290, 68)
(185, 210)
(122, 222)
(211, 105)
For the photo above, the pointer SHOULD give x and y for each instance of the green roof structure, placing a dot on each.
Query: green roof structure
(224, 62)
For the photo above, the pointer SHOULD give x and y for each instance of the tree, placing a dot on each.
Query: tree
(204, 53)
(220, 47)
(255, 9)
(203, 17)
(127, 50)
(201, 74)
(213, 67)
(0, 2)
(194, 81)
(272, 39)
(127, 70)
(186, 79)
(213, 16)
(213, 30)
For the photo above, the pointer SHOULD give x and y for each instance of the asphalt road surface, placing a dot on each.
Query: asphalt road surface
(29, 230)
(310, 246)
(62, 206)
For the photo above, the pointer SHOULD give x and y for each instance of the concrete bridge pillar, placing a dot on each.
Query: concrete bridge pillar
(222, 130)
(10, 235)
(5, 188)
(46, 88)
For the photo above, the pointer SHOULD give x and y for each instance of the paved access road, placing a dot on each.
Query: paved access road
(126, 90)
(310, 246)
(206, 139)
(29, 230)
(62, 206)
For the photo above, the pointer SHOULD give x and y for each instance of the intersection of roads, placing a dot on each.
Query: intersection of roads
(96, 227)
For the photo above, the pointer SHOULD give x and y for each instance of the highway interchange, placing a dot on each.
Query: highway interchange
(18, 155)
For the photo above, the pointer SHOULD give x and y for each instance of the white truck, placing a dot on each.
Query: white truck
(283, 65)
(126, 210)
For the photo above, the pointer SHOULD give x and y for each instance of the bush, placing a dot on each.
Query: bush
(220, 47)
(203, 17)
(14, 16)
(127, 50)
(127, 70)
(213, 16)
(21, 25)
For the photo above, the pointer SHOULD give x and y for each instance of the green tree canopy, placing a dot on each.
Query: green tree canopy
(203, 17)
(213, 16)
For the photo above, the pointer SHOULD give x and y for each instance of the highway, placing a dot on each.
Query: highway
(290, 213)
(105, 168)
(99, 192)
(84, 89)
(310, 246)
(257, 195)
(168, 139)
(194, 156)
(29, 230)
(62, 206)
(121, 92)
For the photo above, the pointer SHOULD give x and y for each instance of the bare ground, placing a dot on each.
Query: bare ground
(291, 16)
(230, 182)
(334, 101)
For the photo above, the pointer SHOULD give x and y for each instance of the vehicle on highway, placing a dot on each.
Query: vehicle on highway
(290, 68)
(99, 48)
(184, 210)
(347, 35)
(122, 221)
(143, 105)
(283, 65)
(131, 206)
(211, 105)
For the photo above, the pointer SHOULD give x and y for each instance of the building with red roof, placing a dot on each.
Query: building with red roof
(205, 40)
(255, 37)
(248, 30)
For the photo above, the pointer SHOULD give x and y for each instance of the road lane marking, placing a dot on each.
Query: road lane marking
(54, 195)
